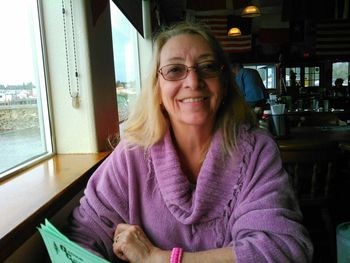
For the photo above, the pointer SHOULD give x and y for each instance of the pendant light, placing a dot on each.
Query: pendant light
(234, 32)
(251, 11)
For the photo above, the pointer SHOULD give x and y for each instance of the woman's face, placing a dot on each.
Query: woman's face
(195, 99)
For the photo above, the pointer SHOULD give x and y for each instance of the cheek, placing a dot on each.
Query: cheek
(167, 92)
(218, 91)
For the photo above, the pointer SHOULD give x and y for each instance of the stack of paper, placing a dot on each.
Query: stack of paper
(62, 250)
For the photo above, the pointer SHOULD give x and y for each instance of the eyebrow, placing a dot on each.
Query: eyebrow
(201, 57)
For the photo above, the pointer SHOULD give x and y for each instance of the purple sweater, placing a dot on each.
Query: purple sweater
(244, 201)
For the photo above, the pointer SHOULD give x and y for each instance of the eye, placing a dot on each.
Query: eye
(209, 67)
(174, 69)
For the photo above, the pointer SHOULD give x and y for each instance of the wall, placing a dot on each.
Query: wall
(83, 129)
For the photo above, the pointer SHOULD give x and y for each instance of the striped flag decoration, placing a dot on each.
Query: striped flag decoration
(218, 24)
(333, 38)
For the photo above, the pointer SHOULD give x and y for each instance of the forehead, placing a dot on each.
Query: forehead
(185, 46)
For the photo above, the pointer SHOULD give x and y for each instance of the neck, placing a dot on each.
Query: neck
(191, 144)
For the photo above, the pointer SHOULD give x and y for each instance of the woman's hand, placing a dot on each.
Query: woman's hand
(131, 244)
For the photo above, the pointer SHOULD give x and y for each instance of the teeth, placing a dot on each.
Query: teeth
(192, 100)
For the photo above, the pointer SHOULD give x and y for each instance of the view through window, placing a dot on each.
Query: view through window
(267, 74)
(290, 71)
(312, 77)
(341, 70)
(126, 62)
(24, 126)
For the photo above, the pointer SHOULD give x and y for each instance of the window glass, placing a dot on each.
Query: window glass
(24, 123)
(312, 77)
(126, 62)
(341, 70)
(289, 72)
(267, 74)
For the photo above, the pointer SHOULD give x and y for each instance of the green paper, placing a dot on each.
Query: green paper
(62, 250)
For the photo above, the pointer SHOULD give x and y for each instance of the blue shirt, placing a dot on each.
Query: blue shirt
(251, 85)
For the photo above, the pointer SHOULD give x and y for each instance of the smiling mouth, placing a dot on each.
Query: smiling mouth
(191, 100)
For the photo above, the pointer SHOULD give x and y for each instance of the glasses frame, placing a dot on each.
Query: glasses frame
(195, 69)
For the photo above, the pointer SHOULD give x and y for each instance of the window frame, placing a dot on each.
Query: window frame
(137, 70)
(43, 98)
(302, 78)
(265, 67)
(346, 80)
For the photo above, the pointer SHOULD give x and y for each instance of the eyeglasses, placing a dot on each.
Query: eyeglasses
(207, 69)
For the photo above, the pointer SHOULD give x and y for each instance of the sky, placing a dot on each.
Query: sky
(17, 44)
(16, 63)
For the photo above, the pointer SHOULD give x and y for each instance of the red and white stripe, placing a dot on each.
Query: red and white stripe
(218, 25)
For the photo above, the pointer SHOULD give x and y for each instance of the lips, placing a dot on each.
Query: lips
(191, 100)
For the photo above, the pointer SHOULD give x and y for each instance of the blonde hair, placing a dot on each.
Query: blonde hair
(148, 123)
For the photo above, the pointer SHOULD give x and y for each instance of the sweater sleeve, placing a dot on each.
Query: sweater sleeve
(103, 206)
(267, 220)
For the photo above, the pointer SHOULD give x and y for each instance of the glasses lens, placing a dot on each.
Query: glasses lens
(174, 71)
(209, 69)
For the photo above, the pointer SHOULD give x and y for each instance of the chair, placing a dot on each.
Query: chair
(312, 170)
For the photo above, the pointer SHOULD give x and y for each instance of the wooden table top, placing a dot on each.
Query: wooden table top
(311, 137)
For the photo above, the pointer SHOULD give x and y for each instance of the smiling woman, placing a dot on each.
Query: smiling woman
(193, 179)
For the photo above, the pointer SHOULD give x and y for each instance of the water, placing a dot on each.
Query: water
(19, 146)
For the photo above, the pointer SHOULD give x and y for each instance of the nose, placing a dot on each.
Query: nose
(192, 79)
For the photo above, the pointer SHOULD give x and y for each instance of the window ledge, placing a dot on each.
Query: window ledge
(32, 195)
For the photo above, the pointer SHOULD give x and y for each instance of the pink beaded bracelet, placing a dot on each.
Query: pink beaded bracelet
(176, 255)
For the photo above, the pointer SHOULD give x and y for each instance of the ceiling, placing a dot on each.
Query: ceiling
(173, 11)
(284, 26)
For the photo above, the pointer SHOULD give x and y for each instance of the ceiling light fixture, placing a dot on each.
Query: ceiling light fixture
(251, 11)
(234, 32)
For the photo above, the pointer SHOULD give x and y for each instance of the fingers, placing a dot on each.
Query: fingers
(132, 234)
(126, 227)
(130, 242)
(117, 249)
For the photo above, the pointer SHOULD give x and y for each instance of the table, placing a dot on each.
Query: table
(314, 136)
(318, 118)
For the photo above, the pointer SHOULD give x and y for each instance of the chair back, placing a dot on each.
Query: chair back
(311, 171)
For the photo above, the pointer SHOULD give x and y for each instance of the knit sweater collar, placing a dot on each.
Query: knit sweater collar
(207, 200)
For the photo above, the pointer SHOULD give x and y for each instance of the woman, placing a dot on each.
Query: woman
(193, 179)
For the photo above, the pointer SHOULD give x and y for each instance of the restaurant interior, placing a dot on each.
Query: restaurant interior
(298, 47)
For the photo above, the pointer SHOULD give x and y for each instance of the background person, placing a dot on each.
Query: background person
(251, 85)
(293, 89)
(340, 90)
(193, 176)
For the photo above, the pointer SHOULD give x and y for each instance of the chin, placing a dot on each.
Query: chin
(198, 121)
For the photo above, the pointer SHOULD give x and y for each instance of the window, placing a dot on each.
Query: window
(289, 72)
(341, 70)
(267, 74)
(24, 120)
(304, 76)
(312, 77)
(126, 62)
